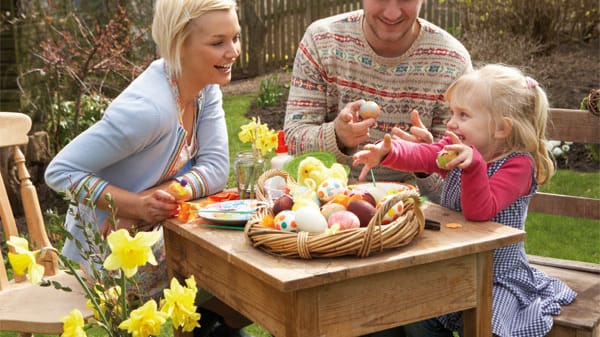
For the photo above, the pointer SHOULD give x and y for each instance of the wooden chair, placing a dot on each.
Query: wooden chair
(582, 317)
(24, 307)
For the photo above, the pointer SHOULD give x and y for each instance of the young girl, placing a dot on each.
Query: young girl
(497, 130)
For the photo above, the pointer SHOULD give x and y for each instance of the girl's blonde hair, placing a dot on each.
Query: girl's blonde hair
(171, 25)
(505, 92)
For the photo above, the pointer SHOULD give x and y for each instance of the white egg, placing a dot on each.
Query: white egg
(310, 219)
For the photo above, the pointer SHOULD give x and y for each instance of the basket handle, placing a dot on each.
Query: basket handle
(378, 218)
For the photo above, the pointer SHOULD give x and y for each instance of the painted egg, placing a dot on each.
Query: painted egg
(330, 208)
(285, 221)
(282, 203)
(181, 190)
(343, 219)
(275, 187)
(369, 109)
(330, 187)
(363, 210)
(364, 195)
(304, 196)
(443, 157)
(310, 219)
(393, 213)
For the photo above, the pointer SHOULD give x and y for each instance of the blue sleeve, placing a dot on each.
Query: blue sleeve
(129, 125)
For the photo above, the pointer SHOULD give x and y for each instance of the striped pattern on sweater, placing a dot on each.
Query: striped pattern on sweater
(335, 65)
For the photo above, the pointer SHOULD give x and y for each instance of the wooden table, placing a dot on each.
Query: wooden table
(439, 272)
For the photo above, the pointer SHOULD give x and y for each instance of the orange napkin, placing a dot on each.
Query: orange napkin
(187, 209)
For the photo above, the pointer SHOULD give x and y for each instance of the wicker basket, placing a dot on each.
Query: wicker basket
(357, 241)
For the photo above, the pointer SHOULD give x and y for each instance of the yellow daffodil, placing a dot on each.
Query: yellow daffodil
(24, 261)
(262, 138)
(144, 321)
(248, 131)
(178, 303)
(110, 296)
(73, 325)
(130, 253)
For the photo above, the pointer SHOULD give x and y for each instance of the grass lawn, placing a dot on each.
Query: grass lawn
(552, 236)
(566, 237)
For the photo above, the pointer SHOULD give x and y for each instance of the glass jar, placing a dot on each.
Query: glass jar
(247, 168)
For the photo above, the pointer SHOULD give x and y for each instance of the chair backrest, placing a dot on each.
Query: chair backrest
(578, 126)
(13, 133)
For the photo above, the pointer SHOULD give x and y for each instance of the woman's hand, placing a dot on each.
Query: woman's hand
(157, 205)
(139, 209)
(371, 155)
(418, 132)
(349, 129)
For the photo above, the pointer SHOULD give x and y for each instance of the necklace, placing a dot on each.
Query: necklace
(188, 149)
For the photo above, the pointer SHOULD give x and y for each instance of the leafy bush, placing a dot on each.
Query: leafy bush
(67, 55)
(271, 92)
(67, 118)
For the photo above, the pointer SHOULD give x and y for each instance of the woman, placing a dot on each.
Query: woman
(167, 124)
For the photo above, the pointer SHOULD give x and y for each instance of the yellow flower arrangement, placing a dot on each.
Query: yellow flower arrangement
(117, 308)
(262, 138)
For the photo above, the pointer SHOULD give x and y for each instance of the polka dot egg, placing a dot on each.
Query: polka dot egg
(329, 188)
(285, 221)
(393, 213)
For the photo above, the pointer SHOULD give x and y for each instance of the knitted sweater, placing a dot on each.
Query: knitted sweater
(335, 65)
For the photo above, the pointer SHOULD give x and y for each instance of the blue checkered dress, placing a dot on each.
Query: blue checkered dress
(524, 298)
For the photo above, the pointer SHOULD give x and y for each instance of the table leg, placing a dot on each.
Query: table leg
(478, 321)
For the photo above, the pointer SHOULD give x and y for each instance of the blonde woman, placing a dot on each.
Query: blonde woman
(167, 124)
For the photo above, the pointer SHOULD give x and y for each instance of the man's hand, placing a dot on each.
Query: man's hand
(349, 129)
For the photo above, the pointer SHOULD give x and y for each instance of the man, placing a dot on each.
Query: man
(383, 53)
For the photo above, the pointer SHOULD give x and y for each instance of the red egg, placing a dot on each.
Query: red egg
(363, 210)
(283, 203)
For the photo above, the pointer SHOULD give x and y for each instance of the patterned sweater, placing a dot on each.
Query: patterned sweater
(334, 65)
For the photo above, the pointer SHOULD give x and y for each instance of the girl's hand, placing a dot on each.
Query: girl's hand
(418, 132)
(464, 152)
(371, 155)
(350, 131)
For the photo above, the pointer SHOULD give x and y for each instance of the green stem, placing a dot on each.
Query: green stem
(87, 291)
(124, 296)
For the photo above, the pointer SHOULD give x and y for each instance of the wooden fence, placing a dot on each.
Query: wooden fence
(272, 29)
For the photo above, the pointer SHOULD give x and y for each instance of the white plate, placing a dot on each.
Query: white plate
(381, 189)
(230, 212)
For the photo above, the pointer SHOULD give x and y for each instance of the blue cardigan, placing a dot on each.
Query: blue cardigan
(136, 145)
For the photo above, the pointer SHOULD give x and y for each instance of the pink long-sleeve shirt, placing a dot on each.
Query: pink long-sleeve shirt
(482, 196)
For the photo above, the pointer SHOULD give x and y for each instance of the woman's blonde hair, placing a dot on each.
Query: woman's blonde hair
(171, 27)
(505, 92)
